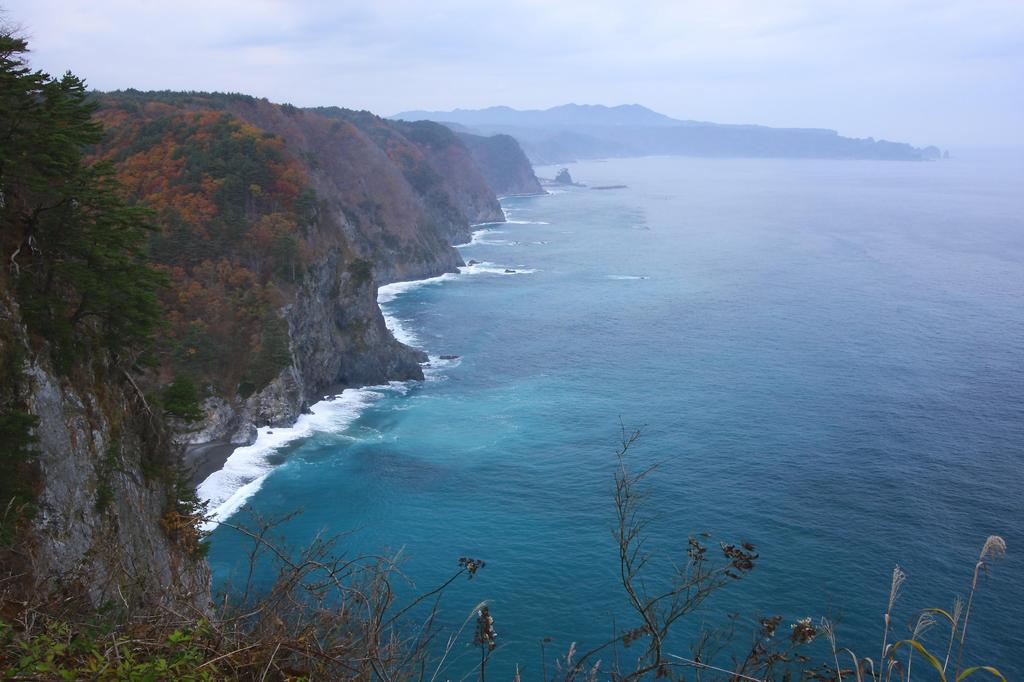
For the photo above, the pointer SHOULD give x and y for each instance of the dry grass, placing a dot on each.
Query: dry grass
(328, 616)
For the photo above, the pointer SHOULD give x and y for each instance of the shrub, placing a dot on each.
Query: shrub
(181, 399)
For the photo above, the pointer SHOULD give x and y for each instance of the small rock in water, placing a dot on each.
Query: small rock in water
(449, 357)
(473, 262)
(563, 177)
(509, 271)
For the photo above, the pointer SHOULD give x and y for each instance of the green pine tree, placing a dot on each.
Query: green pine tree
(73, 246)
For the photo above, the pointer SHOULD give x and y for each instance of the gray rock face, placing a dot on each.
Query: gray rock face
(338, 333)
(338, 339)
(98, 525)
(223, 423)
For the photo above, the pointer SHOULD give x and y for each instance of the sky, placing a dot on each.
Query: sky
(949, 73)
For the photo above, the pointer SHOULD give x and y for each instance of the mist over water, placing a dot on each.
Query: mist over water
(826, 358)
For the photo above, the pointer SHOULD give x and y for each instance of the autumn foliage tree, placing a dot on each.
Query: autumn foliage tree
(233, 205)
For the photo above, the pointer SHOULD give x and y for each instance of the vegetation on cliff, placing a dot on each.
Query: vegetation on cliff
(73, 248)
(436, 163)
(163, 248)
(332, 616)
(192, 221)
(505, 166)
(79, 307)
(250, 197)
(234, 209)
(17, 447)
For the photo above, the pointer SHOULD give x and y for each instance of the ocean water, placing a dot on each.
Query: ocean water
(826, 359)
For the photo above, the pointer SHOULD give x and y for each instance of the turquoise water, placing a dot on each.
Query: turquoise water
(827, 358)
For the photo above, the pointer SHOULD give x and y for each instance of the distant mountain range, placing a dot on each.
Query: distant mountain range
(573, 132)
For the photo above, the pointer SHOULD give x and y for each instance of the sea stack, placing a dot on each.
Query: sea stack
(563, 177)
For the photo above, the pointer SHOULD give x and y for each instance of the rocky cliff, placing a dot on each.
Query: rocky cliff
(436, 162)
(109, 519)
(181, 267)
(337, 338)
(503, 164)
(372, 202)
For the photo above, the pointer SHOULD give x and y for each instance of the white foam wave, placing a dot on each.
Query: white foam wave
(436, 367)
(478, 237)
(437, 362)
(527, 222)
(487, 268)
(401, 333)
(389, 292)
(245, 470)
(626, 277)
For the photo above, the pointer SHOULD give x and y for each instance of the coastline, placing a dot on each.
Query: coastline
(407, 497)
(226, 475)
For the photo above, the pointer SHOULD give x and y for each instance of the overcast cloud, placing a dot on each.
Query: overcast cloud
(926, 72)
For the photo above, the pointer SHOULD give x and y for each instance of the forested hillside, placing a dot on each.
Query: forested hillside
(182, 267)
(234, 211)
(95, 503)
(266, 213)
